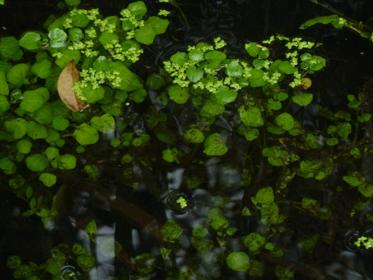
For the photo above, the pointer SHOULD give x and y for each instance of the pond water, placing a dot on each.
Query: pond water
(130, 202)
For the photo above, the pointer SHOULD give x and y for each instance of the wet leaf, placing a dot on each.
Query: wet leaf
(66, 81)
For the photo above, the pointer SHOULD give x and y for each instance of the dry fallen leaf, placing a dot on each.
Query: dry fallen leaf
(66, 81)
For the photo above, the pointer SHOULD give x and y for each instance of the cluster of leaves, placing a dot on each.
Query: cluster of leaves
(53, 268)
(37, 130)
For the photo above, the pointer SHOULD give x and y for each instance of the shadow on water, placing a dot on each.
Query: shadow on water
(129, 204)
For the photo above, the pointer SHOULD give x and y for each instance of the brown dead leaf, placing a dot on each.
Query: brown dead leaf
(66, 81)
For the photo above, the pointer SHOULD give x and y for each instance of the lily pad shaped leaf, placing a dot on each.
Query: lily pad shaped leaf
(86, 135)
(302, 99)
(251, 117)
(214, 145)
(238, 261)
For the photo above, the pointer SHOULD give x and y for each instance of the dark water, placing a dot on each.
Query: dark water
(129, 204)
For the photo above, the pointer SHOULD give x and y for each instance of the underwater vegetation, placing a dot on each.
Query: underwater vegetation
(139, 159)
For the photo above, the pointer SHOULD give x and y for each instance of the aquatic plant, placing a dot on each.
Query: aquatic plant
(74, 91)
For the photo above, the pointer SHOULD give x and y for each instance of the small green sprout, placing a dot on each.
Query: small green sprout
(182, 202)
(364, 242)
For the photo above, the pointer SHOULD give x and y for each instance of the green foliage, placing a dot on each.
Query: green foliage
(48, 179)
(178, 94)
(86, 135)
(34, 99)
(251, 117)
(30, 41)
(334, 20)
(171, 231)
(9, 49)
(36, 162)
(214, 145)
(17, 74)
(238, 261)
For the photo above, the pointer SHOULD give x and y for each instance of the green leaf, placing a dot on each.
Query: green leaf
(129, 80)
(107, 38)
(212, 108)
(170, 155)
(48, 179)
(178, 94)
(312, 63)
(67, 56)
(9, 48)
(52, 153)
(17, 74)
(36, 131)
(79, 20)
(91, 95)
(24, 146)
(214, 145)
(224, 95)
(194, 74)
(42, 68)
(251, 134)
(30, 41)
(36, 162)
(302, 99)
(58, 38)
(278, 157)
(366, 190)
(286, 67)
(7, 166)
(238, 261)
(34, 99)
(234, 69)
(145, 35)
(257, 78)
(334, 20)
(60, 123)
(104, 123)
(66, 162)
(254, 241)
(171, 231)
(215, 58)
(159, 25)
(138, 9)
(344, 130)
(86, 135)
(251, 117)
(264, 196)
(18, 127)
(194, 135)
(354, 180)
(285, 121)
(252, 49)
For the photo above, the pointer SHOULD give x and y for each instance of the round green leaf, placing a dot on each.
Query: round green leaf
(178, 94)
(36, 162)
(238, 261)
(30, 41)
(48, 179)
(86, 135)
(285, 121)
(214, 145)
